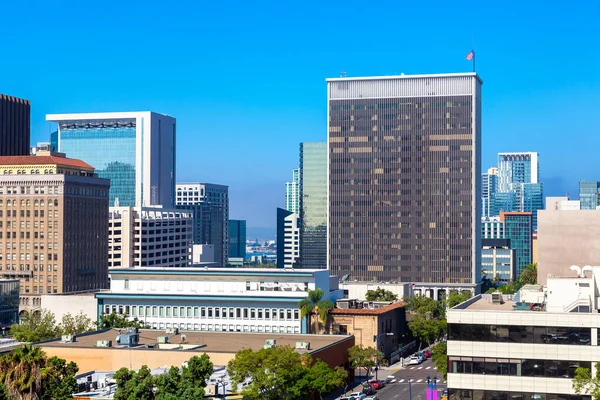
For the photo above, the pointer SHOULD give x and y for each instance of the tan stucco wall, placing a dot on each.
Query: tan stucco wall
(565, 238)
(89, 359)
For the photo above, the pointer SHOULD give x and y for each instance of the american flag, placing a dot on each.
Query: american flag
(471, 55)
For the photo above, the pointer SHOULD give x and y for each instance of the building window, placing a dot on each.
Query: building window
(210, 312)
(296, 315)
(127, 284)
(289, 315)
(274, 314)
(245, 313)
(260, 313)
(161, 311)
(168, 310)
(155, 311)
(231, 313)
(175, 312)
(217, 312)
(252, 313)
(196, 312)
(238, 313)
(267, 313)
(202, 312)
(281, 314)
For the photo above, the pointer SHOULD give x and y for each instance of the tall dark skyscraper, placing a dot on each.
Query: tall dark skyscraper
(237, 238)
(14, 126)
(405, 179)
(313, 204)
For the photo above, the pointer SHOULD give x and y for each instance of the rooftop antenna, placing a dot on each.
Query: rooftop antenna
(343, 74)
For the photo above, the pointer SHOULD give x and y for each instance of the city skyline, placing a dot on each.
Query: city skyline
(528, 90)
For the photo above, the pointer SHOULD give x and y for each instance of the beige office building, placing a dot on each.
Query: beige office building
(53, 226)
(149, 237)
(566, 236)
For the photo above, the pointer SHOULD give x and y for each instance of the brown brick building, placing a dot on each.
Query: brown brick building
(53, 226)
(367, 323)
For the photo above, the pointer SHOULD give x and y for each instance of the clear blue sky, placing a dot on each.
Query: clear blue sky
(246, 80)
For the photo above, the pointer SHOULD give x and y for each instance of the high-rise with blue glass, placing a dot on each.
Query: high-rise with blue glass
(135, 150)
(589, 193)
(489, 187)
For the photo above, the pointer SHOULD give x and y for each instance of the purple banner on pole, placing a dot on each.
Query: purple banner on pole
(432, 394)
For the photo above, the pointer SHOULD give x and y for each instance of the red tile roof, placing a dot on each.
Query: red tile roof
(44, 160)
(366, 311)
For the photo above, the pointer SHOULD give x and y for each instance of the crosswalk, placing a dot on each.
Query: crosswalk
(413, 381)
(422, 367)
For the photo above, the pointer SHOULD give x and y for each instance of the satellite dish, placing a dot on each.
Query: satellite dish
(345, 277)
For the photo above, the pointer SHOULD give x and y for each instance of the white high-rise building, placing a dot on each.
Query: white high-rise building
(292, 193)
(149, 237)
(514, 168)
(135, 150)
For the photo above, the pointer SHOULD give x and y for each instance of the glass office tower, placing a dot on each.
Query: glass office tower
(489, 187)
(135, 150)
(530, 198)
(292, 193)
(518, 227)
(404, 178)
(589, 192)
(237, 238)
(313, 204)
(110, 148)
(517, 168)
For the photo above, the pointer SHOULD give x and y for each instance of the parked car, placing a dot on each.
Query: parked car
(427, 353)
(369, 390)
(415, 360)
(358, 395)
(377, 384)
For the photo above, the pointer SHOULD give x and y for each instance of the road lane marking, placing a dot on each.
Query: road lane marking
(420, 380)
(420, 368)
(401, 380)
(427, 367)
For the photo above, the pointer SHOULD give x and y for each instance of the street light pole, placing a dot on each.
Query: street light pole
(377, 344)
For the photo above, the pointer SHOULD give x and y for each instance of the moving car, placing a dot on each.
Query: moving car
(427, 353)
(377, 384)
(415, 360)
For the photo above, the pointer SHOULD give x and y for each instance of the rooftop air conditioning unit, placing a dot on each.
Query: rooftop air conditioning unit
(131, 330)
(162, 339)
(302, 345)
(497, 298)
(67, 338)
(172, 331)
(104, 343)
(270, 343)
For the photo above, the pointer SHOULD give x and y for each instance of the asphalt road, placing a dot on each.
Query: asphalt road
(417, 374)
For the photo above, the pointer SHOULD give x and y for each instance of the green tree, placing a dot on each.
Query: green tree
(75, 325)
(35, 327)
(322, 379)
(59, 379)
(22, 372)
(114, 320)
(455, 298)
(427, 330)
(194, 376)
(363, 357)
(314, 302)
(275, 373)
(440, 358)
(380, 294)
(425, 306)
(134, 385)
(586, 383)
(510, 288)
(528, 275)
(3, 392)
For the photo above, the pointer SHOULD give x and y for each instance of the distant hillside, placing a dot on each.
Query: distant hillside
(261, 233)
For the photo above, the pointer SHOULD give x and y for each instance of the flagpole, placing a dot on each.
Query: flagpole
(474, 55)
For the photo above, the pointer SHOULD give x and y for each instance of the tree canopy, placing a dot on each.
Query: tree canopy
(380, 294)
(281, 373)
(528, 275)
(425, 306)
(39, 326)
(455, 298)
(27, 374)
(114, 320)
(314, 302)
(440, 358)
(187, 383)
(585, 382)
(363, 357)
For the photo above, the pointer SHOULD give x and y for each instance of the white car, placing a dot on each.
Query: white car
(358, 395)
(415, 360)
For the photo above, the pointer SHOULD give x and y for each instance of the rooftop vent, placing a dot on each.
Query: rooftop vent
(172, 331)
(128, 339)
(497, 298)
(104, 343)
(162, 339)
(67, 338)
(302, 345)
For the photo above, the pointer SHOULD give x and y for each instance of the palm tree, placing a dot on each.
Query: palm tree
(528, 275)
(22, 372)
(313, 302)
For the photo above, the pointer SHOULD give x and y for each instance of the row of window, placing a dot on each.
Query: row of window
(227, 327)
(519, 334)
(27, 203)
(268, 314)
(515, 367)
(468, 394)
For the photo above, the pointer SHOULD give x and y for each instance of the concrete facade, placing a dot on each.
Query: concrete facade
(566, 237)
(72, 304)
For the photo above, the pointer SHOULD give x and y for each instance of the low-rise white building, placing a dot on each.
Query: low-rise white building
(528, 347)
(149, 237)
(215, 299)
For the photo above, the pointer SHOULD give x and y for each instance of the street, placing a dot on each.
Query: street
(417, 374)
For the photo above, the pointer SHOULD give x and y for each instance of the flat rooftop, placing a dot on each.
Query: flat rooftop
(215, 342)
(487, 305)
